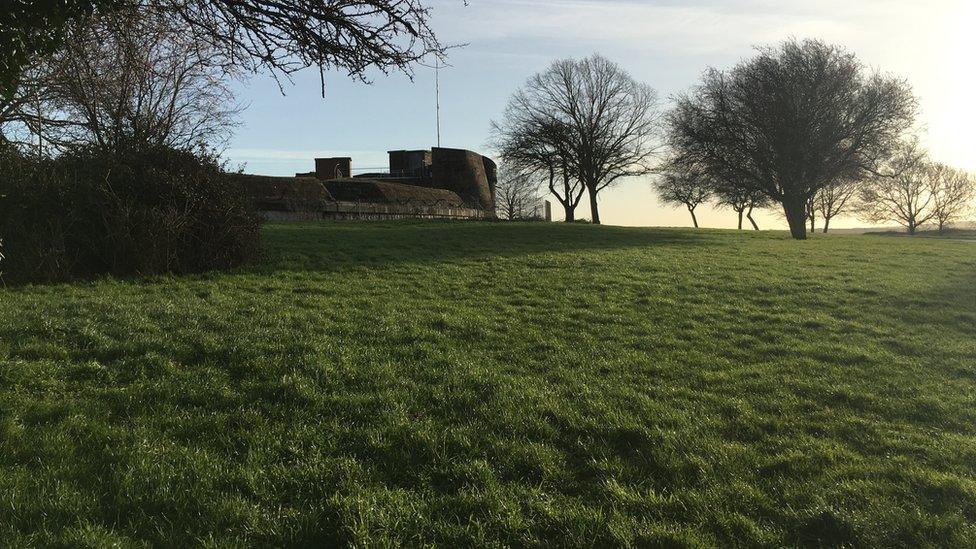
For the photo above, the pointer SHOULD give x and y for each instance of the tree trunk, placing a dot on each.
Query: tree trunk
(826, 225)
(796, 216)
(594, 209)
(740, 219)
(751, 220)
(693, 218)
(568, 191)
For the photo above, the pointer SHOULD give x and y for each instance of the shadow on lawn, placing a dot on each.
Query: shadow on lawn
(950, 301)
(338, 246)
(330, 247)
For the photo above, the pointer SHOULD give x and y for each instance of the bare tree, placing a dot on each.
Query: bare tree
(683, 186)
(791, 121)
(953, 192)
(610, 120)
(24, 106)
(905, 196)
(125, 79)
(535, 144)
(281, 36)
(516, 195)
(835, 199)
(284, 36)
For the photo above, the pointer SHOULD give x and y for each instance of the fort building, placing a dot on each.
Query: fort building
(440, 182)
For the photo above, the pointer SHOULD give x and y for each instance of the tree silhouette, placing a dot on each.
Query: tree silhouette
(791, 121)
(607, 123)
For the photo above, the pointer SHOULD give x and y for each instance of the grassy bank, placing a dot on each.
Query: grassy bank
(466, 383)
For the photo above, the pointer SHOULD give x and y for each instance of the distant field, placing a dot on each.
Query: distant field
(968, 234)
(501, 384)
(958, 234)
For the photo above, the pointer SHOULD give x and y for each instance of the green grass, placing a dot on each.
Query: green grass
(501, 384)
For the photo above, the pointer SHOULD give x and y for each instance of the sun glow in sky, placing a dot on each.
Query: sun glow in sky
(951, 89)
(666, 43)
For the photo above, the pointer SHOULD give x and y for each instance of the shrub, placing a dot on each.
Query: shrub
(144, 211)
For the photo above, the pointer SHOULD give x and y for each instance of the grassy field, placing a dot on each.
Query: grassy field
(501, 384)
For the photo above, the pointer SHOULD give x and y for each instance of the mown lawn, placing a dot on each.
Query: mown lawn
(501, 384)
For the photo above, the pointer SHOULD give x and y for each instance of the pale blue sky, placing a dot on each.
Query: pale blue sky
(664, 43)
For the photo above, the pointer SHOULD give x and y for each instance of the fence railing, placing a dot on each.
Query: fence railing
(372, 210)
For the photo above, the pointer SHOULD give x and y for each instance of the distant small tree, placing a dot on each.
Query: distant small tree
(953, 192)
(791, 121)
(683, 186)
(516, 195)
(742, 199)
(835, 199)
(904, 195)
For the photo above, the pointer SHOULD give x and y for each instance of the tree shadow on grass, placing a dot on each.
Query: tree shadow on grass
(949, 303)
(339, 246)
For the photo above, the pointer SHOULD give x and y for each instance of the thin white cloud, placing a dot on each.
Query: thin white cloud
(703, 28)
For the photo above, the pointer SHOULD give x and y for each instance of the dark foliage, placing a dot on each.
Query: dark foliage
(284, 36)
(791, 121)
(29, 28)
(147, 211)
(281, 36)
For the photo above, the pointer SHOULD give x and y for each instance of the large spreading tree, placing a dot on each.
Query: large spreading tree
(791, 121)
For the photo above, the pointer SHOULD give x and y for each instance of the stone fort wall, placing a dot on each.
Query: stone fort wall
(472, 176)
(440, 182)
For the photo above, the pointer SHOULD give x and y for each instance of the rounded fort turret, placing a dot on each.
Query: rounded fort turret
(469, 174)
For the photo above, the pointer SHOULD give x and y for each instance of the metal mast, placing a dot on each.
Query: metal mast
(437, 88)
